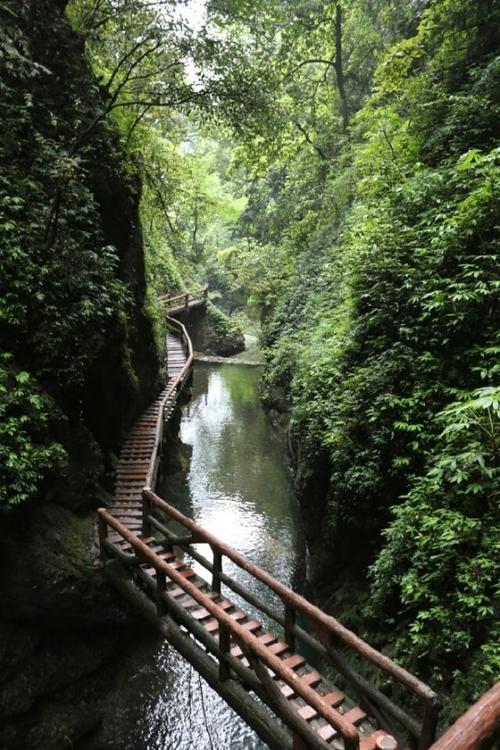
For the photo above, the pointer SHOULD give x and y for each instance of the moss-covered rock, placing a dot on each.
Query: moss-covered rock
(46, 571)
(73, 289)
(212, 331)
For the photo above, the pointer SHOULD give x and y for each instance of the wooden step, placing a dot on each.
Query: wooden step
(333, 700)
(251, 625)
(278, 648)
(294, 661)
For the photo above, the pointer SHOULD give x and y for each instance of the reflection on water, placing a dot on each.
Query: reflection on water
(237, 486)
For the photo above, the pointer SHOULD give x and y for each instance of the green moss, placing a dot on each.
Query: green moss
(222, 323)
(61, 546)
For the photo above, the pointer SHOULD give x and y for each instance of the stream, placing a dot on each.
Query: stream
(237, 485)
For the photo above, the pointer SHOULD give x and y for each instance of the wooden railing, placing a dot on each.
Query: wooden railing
(186, 298)
(478, 728)
(319, 632)
(260, 659)
(176, 385)
(325, 634)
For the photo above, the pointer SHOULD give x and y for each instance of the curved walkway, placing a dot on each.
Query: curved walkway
(138, 461)
(245, 655)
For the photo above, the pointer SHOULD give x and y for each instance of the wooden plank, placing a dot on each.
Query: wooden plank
(200, 615)
(294, 661)
(238, 615)
(327, 733)
(334, 698)
(312, 679)
(356, 715)
(252, 625)
(308, 712)
(278, 648)
(211, 625)
(377, 740)
(331, 699)
(267, 638)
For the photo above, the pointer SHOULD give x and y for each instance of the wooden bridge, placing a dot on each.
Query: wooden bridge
(147, 545)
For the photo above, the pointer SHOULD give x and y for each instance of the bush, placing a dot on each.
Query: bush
(27, 454)
(440, 566)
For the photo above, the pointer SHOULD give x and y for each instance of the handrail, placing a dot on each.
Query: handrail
(311, 611)
(186, 340)
(326, 627)
(150, 478)
(477, 727)
(186, 297)
(293, 631)
(247, 640)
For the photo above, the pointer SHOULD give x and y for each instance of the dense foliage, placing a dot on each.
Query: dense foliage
(161, 92)
(440, 560)
(66, 299)
(373, 256)
(27, 454)
(335, 167)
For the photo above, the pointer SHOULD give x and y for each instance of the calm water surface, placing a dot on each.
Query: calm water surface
(237, 485)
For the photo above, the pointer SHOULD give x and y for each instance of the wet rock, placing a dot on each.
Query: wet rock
(55, 695)
(212, 332)
(63, 726)
(59, 660)
(46, 572)
(17, 643)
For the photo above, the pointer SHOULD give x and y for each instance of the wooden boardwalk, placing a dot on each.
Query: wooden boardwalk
(133, 470)
(247, 662)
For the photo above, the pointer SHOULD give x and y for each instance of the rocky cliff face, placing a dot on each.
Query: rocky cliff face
(212, 332)
(72, 325)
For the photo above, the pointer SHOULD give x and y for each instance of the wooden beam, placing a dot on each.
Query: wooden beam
(477, 728)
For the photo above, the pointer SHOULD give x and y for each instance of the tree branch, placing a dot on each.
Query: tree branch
(158, 72)
(158, 103)
(309, 140)
(126, 57)
(339, 68)
(311, 61)
(136, 123)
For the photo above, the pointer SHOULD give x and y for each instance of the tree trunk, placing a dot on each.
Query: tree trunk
(339, 68)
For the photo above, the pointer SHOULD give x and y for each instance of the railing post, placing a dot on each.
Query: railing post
(429, 725)
(186, 300)
(146, 512)
(224, 647)
(161, 587)
(103, 535)
(217, 570)
(298, 742)
(290, 617)
(205, 293)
